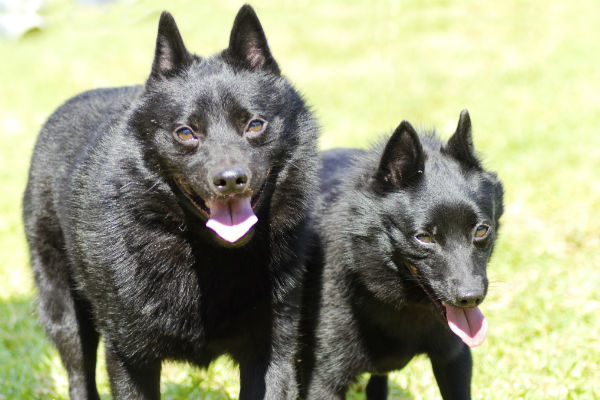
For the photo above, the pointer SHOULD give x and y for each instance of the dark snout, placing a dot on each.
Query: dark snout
(469, 292)
(469, 296)
(228, 181)
(466, 279)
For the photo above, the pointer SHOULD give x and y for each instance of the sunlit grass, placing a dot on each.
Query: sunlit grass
(528, 73)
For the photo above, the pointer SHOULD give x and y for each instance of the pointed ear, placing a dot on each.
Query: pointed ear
(170, 55)
(403, 160)
(248, 45)
(460, 145)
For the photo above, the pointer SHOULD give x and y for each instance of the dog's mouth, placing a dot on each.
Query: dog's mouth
(230, 217)
(468, 324)
(439, 305)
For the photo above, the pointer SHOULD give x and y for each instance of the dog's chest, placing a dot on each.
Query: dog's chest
(395, 338)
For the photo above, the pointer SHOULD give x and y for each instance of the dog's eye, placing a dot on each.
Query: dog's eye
(256, 126)
(481, 231)
(424, 238)
(185, 135)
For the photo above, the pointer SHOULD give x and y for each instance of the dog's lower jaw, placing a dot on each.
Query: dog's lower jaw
(468, 324)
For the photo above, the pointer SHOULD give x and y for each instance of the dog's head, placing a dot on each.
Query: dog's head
(444, 209)
(222, 130)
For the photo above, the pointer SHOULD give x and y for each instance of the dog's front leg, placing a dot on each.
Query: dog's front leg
(272, 379)
(453, 375)
(281, 382)
(129, 380)
(269, 372)
(252, 380)
(377, 388)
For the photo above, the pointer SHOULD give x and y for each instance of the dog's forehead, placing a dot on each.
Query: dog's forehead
(448, 189)
(445, 177)
(216, 94)
(245, 89)
(207, 74)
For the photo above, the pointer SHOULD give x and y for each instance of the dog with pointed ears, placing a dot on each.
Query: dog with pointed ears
(403, 235)
(170, 219)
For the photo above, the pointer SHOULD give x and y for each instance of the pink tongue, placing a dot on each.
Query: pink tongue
(231, 219)
(469, 324)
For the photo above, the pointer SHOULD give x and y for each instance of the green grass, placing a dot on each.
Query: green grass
(527, 71)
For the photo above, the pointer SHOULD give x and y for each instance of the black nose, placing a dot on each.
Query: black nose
(230, 181)
(469, 297)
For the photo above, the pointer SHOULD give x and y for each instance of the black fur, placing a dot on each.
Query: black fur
(115, 213)
(365, 305)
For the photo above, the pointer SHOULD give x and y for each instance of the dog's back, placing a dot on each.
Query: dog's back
(70, 134)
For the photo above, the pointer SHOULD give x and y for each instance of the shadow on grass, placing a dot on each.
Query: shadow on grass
(30, 367)
(179, 392)
(395, 392)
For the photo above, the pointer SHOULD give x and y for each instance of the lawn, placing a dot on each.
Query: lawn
(529, 73)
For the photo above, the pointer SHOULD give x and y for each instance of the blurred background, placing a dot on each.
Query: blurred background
(528, 72)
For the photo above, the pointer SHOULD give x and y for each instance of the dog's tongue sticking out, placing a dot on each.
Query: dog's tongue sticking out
(469, 324)
(231, 219)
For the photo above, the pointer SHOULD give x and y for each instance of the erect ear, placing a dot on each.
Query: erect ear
(170, 55)
(403, 160)
(248, 45)
(460, 145)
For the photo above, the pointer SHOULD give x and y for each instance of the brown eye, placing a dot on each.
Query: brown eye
(185, 135)
(256, 126)
(481, 231)
(424, 238)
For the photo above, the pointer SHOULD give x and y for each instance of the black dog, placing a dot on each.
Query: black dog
(169, 218)
(405, 234)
